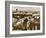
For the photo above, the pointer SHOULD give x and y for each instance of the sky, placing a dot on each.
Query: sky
(26, 8)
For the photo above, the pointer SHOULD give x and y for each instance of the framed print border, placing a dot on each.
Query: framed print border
(7, 18)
